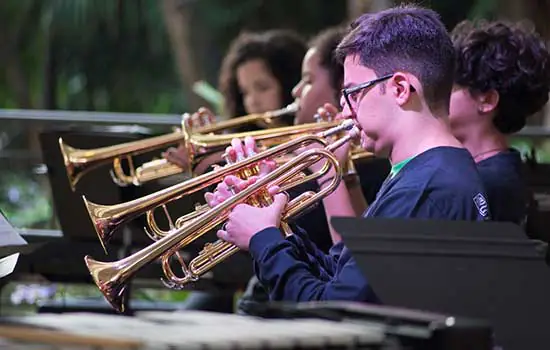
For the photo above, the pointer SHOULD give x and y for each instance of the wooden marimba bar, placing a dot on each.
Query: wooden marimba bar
(359, 327)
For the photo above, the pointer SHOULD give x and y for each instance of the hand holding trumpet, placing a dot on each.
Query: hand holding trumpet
(245, 220)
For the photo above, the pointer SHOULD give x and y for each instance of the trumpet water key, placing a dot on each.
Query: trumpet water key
(112, 277)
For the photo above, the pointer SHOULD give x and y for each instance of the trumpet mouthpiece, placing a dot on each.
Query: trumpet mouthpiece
(354, 132)
(294, 106)
(291, 108)
(348, 125)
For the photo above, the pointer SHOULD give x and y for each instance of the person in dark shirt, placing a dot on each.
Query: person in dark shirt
(502, 77)
(257, 76)
(398, 75)
(321, 81)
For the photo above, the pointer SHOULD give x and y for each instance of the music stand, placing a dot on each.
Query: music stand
(537, 176)
(11, 246)
(97, 185)
(485, 270)
(79, 236)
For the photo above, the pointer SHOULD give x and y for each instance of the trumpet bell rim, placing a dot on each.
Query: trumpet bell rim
(72, 175)
(103, 236)
(113, 292)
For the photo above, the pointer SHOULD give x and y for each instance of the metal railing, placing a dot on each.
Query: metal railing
(157, 119)
(534, 132)
(89, 117)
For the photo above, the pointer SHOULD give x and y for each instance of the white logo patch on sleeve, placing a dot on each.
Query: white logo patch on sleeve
(481, 204)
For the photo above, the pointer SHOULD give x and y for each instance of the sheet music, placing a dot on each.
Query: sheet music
(8, 234)
(11, 244)
(7, 264)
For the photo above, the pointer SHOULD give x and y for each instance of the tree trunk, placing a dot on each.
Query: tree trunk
(177, 20)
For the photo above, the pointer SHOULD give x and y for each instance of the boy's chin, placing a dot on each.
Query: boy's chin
(367, 143)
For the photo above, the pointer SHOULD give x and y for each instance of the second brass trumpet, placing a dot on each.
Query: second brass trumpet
(79, 162)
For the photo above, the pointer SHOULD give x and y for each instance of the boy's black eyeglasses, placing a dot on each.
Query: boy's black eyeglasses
(354, 89)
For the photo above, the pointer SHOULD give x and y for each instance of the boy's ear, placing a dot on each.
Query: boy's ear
(401, 88)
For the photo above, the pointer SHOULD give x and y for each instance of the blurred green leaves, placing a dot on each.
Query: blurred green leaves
(23, 201)
(484, 9)
(95, 55)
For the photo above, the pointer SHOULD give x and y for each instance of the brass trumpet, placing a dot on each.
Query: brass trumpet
(112, 277)
(79, 161)
(107, 218)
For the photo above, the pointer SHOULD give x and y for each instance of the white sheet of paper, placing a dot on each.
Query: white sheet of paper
(7, 264)
(9, 237)
(8, 234)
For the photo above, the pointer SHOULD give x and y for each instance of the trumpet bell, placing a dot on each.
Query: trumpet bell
(79, 161)
(107, 278)
(75, 168)
(103, 220)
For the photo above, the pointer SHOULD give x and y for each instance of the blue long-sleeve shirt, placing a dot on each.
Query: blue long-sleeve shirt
(441, 183)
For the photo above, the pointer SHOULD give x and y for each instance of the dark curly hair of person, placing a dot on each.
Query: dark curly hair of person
(511, 59)
(281, 50)
(326, 43)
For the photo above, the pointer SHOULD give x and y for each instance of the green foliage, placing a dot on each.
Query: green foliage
(95, 55)
(122, 63)
(454, 11)
(23, 201)
(525, 145)
(209, 94)
(115, 55)
(484, 9)
(218, 22)
(451, 11)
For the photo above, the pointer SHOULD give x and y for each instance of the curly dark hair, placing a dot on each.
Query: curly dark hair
(509, 58)
(326, 43)
(281, 50)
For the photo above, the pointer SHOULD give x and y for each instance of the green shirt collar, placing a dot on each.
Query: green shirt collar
(397, 167)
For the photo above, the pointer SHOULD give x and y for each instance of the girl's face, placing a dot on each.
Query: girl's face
(261, 91)
(314, 90)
